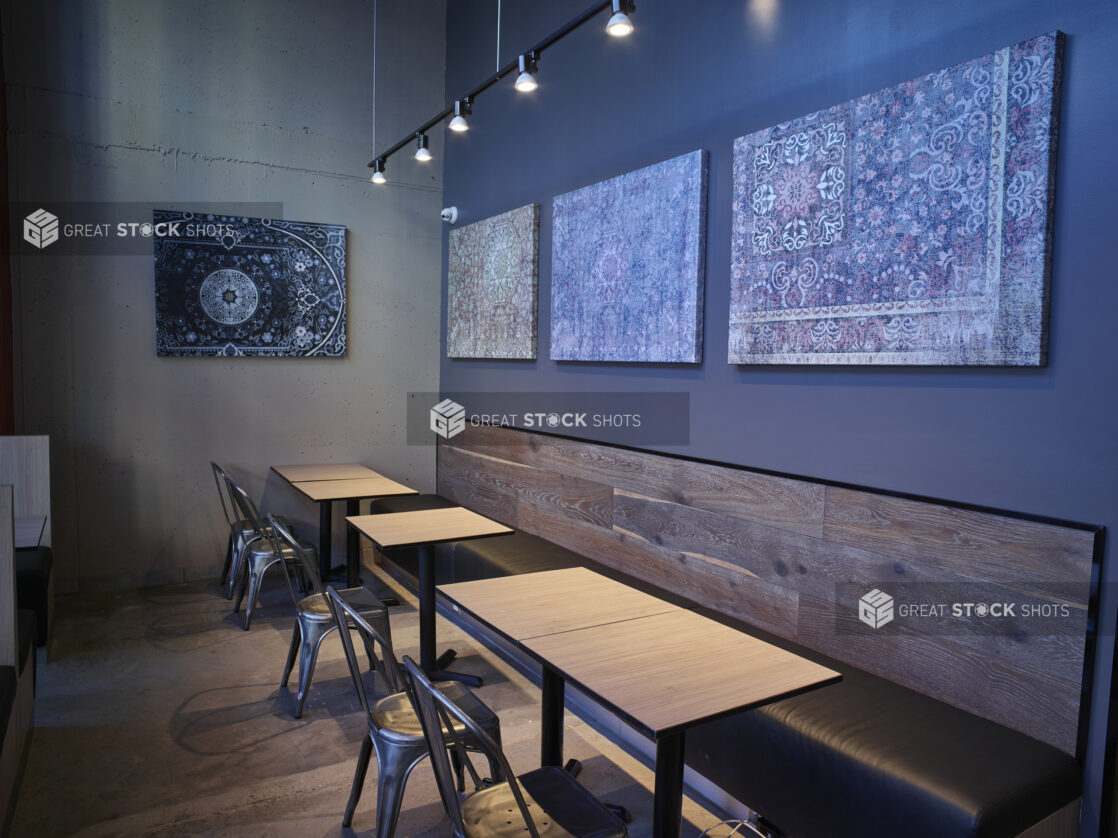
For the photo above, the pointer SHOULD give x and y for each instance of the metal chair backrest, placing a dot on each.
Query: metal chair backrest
(281, 537)
(439, 717)
(222, 482)
(347, 619)
(244, 506)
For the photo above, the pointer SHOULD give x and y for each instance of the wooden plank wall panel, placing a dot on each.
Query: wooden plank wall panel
(778, 553)
(490, 486)
(975, 544)
(703, 581)
(776, 501)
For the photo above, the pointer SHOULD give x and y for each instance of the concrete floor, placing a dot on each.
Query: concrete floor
(158, 716)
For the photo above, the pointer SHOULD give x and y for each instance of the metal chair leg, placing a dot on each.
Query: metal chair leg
(296, 636)
(228, 560)
(242, 586)
(392, 776)
(254, 580)
(236, 570)
(358, 779)
(312, 640)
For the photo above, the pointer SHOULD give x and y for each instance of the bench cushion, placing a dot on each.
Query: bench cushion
(409, 503)
(33, 572)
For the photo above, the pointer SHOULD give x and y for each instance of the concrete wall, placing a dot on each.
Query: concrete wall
(1039, 441)
(172, 103)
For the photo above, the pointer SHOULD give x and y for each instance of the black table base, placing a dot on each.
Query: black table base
(434, 665)
(667, 815)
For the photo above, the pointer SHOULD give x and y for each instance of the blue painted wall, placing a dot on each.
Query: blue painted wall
(698, 75)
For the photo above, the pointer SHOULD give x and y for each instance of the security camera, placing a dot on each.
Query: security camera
(449, 215)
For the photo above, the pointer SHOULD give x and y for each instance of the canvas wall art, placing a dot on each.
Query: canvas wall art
(492, 280)
(230, 286)
(627, 266)
(910, 226)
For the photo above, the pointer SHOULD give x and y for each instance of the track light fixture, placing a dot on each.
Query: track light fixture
(462, 109)
(528, 65)
(619, 25)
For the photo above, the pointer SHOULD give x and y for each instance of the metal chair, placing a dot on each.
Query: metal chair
(240, 531)
(395, 732)
(547, 802)
(314, 619)
(259, 553)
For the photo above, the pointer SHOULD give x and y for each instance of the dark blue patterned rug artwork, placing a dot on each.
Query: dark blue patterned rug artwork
(910, 226)
(233, 286)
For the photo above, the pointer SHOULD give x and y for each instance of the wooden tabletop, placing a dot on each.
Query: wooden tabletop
(323, 471)
(354, 487)
(29, 530)
(667, 672)
(551, 601)
(425, 526)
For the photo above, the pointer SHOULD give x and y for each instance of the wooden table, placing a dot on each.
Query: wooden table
(325, 483)
(424, 529)
(29, 530)
(661, 672)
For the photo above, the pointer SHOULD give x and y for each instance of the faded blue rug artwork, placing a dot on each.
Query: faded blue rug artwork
(233, 286)
(909, 226)
(627, 266)
(492, 278)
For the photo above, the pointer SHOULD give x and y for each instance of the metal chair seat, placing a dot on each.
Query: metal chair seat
(559, 805)
(396, 718)
(317, 607)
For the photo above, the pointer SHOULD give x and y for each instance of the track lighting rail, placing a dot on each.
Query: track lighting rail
(532, 54)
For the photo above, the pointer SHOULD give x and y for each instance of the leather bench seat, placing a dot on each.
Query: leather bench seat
(33, 572)
(866, 758)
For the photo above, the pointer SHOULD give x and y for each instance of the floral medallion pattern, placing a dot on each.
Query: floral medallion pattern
(627, 266)
(492, 281)
(910, 226)
(229, 286)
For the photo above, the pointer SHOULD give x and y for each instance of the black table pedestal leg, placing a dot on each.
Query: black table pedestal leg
(325, 523)
(434, 667)
(551, 734)
(352, 548)
(667, 807)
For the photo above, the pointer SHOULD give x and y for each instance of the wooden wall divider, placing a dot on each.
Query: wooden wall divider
(791, 556)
